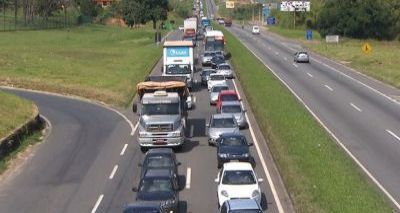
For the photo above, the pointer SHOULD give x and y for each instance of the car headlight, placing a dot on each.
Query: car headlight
(177, 133)
(255, 194)
(224, 193)
(142, 134)
(223, 155)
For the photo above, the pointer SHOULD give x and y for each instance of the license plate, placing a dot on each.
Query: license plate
(160, 142)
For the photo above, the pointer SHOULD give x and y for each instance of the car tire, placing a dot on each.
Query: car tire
(219, 165)
(144, 149)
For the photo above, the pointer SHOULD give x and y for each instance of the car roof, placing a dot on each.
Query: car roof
(234, 166)
(160, 151)
(237, 204)
(218, 116)
(231, 103)
(164, 173)
(224, 64)
(228, 92)
(212, 74)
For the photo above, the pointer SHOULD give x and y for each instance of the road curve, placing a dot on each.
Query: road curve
(67, 171)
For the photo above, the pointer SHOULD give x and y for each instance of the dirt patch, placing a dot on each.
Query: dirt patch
(115, 22)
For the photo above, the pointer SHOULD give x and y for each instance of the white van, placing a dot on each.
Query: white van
(255, 29)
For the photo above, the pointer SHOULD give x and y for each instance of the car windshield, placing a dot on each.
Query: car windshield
(178, 69)
(217, 77)
(231, 109)
(159, 161)
(223, 123)
(208, 54)
(229, 97)
(154, 185)
(233, 141)
(160, 109)
(240, 177)
(245, 211)
(219, 88)
(224, 67)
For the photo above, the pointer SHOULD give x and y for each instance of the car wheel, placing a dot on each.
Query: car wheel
(219, 165)
(144, 149)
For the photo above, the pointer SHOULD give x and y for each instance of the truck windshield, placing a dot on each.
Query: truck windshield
(176, 69)
(160, 109)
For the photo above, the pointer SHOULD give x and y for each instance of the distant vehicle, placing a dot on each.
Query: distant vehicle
(159, 158)
(225, 69)
(220, 21)
(181, 27)
(208, 28)
(140, 207)
(241, 205)
(228, 22)
(234, 108)
(220, 124)
(215, 90)
(301, 57)
(190, 27)
(206, 58)
(215, 79)
(214, 40)
(255, 30)
(217, 60)
(159, 185)
(237, 180)
(205, 75)
(232, 146)
(228, 95)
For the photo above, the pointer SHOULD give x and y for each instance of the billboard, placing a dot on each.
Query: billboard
(230, 4)
(291, 6)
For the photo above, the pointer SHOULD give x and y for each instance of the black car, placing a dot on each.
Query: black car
(160, 158)
(233, 146)
(160, 186)
(143, 207)
(217, 60)
(205, 74)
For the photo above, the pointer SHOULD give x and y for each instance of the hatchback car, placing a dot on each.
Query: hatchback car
(217, 60)
(255, 30)
(161, 186)
(225, 69)
(160, 158)
(301, 57)
(241, 205)
(232, 146)
(206, 58)
(215, 79)
(227, 95)
(215, 90)
(220, 124)
(234, 108)
(205, 75)
(237, 180)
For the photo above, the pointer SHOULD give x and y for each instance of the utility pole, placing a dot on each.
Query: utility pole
(259, 16)
(294, 19)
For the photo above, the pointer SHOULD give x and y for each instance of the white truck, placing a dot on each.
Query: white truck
(190, 28)
(178, 60)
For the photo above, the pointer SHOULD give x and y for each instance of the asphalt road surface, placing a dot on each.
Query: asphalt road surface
(88, 162)
(361, 113)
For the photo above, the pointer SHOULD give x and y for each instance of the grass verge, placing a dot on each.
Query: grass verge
(318, 175)
(14, 111)
(380, 64)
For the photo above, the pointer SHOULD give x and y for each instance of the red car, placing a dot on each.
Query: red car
(226, 95)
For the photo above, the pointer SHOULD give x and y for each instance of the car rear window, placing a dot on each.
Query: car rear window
(217, 77)
(223, 123)
(224, 67)
(231, 109)
(229, 97)
(219, 88)
(233, 141)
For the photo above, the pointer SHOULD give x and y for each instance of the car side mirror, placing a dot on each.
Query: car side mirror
(178, 163)
(260, 180)
(134, 108)
(216, 180)
(207, 125)
(245, 110)
(228, 56)
(251, 144)
(140, 164)
(134, 189)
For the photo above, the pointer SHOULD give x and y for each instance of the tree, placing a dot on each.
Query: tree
(88, 8)
(134, 12)
(158, 10)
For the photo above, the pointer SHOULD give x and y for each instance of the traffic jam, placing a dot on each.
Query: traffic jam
(163, 106)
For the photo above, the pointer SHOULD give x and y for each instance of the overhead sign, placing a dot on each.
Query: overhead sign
(332, 39)
(291, 6)
(230, 4)
(178, 52)
(366, 48)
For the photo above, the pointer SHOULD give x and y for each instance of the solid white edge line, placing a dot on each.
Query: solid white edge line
(134, 128)
(356, 107)
(394, 135)
(113, 172)
(309, 74)
(188, 177)
(123, 149)
(97, 203)
(194, 99)
(191, 130)
(328, 87)
(264, 165)
(331, 133)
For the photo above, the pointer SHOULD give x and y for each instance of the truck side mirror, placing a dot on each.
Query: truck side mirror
(134, 107)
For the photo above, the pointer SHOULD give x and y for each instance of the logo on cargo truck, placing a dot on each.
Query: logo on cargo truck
(178, 52)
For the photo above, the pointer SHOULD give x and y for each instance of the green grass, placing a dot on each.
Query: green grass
(380, 64)
(318, 175)
(14, 111)
(94, 61)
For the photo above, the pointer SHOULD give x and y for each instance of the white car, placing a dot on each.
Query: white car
(255, 29)
(225, 69)
(215, 79)
(237, 180)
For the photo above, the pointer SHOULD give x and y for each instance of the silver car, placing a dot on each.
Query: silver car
(220, 124)
(234, 108)
(225, 69)
(206, 58)
(301, 57)
(215, 90)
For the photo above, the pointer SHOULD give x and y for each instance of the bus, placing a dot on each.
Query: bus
(214, 41)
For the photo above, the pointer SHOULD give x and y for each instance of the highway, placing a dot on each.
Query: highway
(362, 114)
(88, 162)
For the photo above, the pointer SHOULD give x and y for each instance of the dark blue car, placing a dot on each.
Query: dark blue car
(233, 146)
